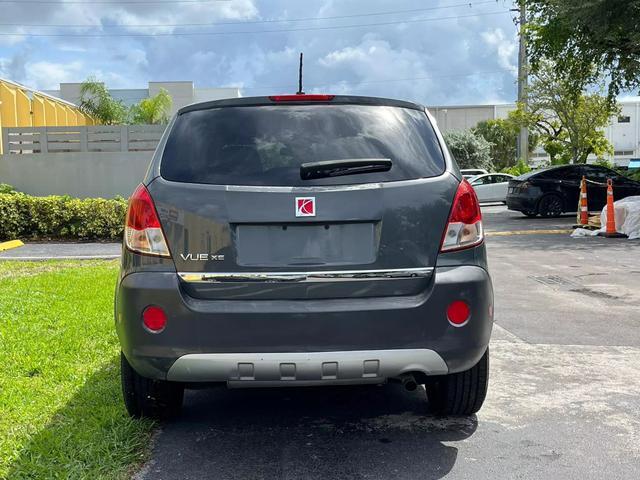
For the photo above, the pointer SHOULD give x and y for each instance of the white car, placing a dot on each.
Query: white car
(472, 172)
(491, 187)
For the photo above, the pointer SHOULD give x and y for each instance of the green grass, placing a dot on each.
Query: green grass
(61, 410)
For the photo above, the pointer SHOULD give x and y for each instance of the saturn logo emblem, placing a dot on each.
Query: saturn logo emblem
(305, 206)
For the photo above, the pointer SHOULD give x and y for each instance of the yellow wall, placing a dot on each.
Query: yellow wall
(72, 118)
(39, 113)
(62, 115)
(51, 112)
(21, 107)
(8, 106)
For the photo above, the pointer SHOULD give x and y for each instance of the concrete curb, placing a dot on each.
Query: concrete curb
(10, 244)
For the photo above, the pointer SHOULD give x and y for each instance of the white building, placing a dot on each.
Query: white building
(182, 93)
(623, 131)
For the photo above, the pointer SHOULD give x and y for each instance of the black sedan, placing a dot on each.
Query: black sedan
(555, 190)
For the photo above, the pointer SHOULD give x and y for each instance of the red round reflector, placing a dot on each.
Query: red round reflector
(458, 313)
(154, 318)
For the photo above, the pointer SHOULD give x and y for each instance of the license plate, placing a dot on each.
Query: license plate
(315, 244)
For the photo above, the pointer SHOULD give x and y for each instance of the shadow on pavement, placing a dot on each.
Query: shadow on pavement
(313, 433)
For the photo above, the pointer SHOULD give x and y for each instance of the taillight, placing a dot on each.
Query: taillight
(464, 228)
(302, 97)
(142, 232)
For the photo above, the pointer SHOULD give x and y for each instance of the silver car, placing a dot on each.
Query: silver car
(491, 187)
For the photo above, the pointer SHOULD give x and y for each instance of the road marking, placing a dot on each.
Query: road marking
(528, 232)
(10, 244)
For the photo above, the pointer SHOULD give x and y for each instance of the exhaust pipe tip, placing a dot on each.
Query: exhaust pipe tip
(408, 382)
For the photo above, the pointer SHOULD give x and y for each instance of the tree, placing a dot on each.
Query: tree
(587, 40)
(502, 134)
(569, 124)
(469, 150)
(96, 101)
(153, 110)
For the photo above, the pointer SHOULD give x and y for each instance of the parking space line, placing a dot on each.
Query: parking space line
(528, 232)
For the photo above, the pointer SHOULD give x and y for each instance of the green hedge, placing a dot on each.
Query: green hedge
(60, 217)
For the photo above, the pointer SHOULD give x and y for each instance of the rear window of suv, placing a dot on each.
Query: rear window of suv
(265, 145)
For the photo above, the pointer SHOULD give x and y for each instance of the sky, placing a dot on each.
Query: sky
(436, 52)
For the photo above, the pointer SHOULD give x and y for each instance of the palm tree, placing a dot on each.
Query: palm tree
(96, 101)
(153, 110)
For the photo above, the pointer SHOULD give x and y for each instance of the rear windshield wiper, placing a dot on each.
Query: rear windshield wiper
(336, 168)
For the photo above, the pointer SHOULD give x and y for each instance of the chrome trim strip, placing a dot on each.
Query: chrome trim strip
(305, 368)
(297, 277)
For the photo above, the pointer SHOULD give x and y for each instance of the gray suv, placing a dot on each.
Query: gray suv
(303, 240)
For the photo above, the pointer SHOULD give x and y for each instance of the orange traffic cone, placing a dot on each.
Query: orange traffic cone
(582, 218)
(611, 231)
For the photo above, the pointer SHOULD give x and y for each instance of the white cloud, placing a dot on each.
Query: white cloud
(45, 75)
(375, 62)
(505, 48)
(372, 60)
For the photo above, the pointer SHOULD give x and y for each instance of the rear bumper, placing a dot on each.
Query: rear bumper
(370, 339)
(522, 203)
(312, 368)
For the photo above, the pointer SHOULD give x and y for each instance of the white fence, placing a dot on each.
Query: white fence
(92, 161)
(99, 138)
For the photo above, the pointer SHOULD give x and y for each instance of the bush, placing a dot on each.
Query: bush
(469, 150)
(60, 217)
(4, 188)
(603, 162)
(518, 169)
(502, 134)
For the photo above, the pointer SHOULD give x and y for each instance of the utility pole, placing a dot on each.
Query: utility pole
(523, 72)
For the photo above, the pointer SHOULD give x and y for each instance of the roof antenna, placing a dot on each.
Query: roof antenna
(300, 92)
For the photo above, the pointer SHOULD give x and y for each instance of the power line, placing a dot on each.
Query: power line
(108, 2)
(250, 22)
(248, 32)
(392, 80)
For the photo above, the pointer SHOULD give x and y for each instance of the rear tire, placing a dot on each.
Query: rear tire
(460, 393)
(144, 397)
(550, 206)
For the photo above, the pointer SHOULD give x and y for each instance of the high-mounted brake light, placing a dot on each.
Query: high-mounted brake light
(302, 97)
(143, 232)
(464, 228)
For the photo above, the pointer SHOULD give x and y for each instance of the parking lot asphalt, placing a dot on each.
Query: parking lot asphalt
(563, 400)
(63, 251)
(498, 219)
